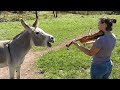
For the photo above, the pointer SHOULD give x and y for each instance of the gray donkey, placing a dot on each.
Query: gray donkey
(12, 52)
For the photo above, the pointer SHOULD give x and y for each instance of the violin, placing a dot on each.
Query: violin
(88, 38)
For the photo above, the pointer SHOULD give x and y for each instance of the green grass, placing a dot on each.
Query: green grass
(65, 64)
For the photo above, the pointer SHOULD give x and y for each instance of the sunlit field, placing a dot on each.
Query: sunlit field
(65, 64)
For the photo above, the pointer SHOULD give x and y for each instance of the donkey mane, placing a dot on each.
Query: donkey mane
(18, 35)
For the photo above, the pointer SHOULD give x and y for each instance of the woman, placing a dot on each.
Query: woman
(101, 50)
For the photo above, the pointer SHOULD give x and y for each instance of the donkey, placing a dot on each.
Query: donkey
(12, 52)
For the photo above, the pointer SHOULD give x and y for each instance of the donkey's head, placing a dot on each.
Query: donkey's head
(39, 37)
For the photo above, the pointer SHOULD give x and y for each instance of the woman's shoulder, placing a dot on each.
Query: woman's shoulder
(105, 38)
(100, 39)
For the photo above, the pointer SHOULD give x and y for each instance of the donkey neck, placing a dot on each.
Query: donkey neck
(20, 46)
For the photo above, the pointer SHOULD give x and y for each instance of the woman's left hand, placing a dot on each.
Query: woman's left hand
(74, 42)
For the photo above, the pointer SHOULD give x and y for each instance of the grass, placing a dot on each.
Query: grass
(65, 64)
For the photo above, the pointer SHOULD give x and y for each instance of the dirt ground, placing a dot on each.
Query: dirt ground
(29, 68)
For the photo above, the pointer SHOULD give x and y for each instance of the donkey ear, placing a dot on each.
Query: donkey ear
(24, 24)
(36, 22)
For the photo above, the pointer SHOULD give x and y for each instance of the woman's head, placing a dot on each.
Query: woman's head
(106, 24)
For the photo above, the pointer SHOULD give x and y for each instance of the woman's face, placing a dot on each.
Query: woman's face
(102, 26)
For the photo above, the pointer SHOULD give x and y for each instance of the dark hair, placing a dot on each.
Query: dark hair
(109, 22)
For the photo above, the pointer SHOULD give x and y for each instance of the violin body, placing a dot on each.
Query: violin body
(91, 37)
(88, 38)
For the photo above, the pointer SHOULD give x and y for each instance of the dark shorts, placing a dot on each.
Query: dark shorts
(101, 71)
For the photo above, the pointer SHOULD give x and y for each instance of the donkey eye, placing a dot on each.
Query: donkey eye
(37, 32)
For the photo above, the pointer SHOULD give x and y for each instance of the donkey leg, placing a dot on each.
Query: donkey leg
(18, 72)
(11, 72)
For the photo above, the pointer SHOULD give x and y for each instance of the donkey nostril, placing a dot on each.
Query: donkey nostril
(51, 38)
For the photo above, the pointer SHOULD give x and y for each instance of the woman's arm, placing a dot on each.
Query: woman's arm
(90, 52)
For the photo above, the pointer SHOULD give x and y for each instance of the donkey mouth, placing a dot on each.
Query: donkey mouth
(49, 44)
(50, 41)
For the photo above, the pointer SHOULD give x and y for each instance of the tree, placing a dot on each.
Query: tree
(55, 13)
